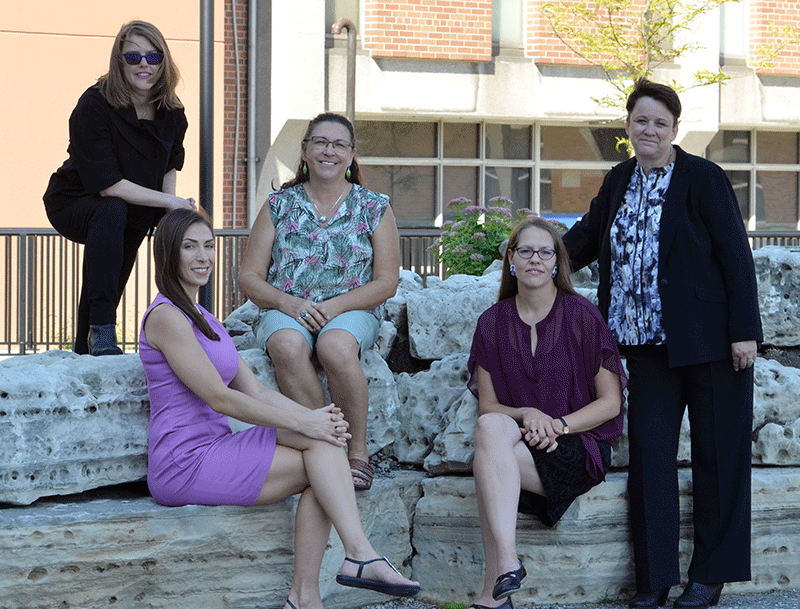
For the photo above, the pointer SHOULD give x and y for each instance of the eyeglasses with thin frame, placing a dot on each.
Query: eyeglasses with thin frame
(154, 58)
(527, 253)
(320, 143)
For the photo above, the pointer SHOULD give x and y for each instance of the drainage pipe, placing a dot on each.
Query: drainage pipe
(345, 23)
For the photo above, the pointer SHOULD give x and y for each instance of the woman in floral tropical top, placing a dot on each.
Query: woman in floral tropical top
(323, 257)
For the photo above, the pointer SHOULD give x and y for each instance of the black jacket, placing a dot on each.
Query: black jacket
(706, 276)
(107, 145)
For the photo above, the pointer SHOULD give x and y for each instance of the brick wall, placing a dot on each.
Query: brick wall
(767, 14)
(234, 196)
(545, 47)
(459, 30)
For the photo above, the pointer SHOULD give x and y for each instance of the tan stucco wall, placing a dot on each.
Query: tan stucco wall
(52, 51)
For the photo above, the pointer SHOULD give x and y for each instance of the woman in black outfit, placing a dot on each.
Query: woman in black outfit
(678, 290)
(125, 148)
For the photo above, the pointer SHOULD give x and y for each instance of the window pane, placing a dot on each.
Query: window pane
(412, 190)
(582, 144)
(777, 147)
(460, 141)
(740, 180)
(776, 199)
(569, 191)
(729, 147)
(396, 139)
(508, 142)
(459, 182)
(510, 182)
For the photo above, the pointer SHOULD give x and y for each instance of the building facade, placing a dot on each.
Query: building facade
(479, 98)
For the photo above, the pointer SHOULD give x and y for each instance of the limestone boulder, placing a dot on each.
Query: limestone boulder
(239, 325)
(591, 543)
(396, 306)
(776, 414)
(70, 423)
(442, 318)
(424, 398)
(778, 276)
(454, 448)
(383, 398)
(125, 550)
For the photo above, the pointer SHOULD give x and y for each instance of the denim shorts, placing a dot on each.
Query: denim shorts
(363, 325)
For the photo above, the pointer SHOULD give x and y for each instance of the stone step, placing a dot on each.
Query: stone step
(119, 548)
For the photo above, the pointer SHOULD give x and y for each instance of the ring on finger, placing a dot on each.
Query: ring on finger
(303, 313)
(299, 319)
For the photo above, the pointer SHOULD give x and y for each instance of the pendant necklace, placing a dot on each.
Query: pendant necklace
(324, 218)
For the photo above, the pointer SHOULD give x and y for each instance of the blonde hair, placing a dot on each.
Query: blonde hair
(115, 87)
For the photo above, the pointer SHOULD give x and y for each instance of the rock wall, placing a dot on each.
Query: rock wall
(74, 423)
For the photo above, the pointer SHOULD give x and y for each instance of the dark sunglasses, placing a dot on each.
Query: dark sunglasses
(153, 58)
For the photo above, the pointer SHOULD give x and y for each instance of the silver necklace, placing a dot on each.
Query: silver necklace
(324, 217)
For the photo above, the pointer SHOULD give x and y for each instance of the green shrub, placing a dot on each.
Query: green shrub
(468, 246)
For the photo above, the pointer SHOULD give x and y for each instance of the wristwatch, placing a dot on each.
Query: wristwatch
(565, 431)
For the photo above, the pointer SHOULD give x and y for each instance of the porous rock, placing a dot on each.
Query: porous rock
(424, 398)
(70, 423)
(778, 276)
(442, 318)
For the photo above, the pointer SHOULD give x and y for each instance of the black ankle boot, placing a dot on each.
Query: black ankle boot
(103, 340)
(649, 600)
(699, 596)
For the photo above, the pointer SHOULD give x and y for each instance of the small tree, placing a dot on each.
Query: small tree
(629, 39)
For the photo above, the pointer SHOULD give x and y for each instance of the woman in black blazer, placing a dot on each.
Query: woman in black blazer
(678, 289)
(125, 148)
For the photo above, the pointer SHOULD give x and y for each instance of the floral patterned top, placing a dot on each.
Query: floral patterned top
(634, 314)
(319, 262)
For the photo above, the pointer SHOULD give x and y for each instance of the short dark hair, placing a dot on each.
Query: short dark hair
(167, 255)
(661, 93)
(327, 117)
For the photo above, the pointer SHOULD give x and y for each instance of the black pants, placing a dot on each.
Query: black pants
(111, 231)
(720, 403)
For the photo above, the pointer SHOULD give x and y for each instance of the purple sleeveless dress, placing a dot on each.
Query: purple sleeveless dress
(192, 455)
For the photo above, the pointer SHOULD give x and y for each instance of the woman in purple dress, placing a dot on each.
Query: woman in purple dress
(548, 377)
(196, 379)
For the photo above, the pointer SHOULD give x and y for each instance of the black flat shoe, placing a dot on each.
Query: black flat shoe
(699, 596)
(508, 583)
(649, 600)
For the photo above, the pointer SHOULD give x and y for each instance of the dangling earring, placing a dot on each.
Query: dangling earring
(305, 168)
(555, 272)
(348, 174)
(513, 270)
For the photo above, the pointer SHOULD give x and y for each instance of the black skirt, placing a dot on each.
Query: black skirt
(564, 477)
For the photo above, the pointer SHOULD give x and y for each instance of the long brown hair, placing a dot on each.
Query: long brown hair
(563, 281)
(117, 90)
(326, 117)
(167, 255)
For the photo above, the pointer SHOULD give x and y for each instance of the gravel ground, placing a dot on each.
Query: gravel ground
(781, 599)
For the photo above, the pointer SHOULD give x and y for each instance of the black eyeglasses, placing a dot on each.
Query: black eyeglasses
(527, 253)
(321, 143)
(152, 59)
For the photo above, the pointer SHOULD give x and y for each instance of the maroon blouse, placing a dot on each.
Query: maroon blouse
(573, 343)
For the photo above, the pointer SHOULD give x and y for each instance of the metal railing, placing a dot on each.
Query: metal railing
(42, 272)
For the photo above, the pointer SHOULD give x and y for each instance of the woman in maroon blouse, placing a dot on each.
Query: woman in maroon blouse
(546, 371)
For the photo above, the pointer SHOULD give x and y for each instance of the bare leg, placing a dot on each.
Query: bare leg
(501, 467)
(294, 371)
(311, 531)
(298, 463)
(340, 357)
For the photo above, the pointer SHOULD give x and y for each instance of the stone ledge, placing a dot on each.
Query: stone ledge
(129, 552)
(587, 556)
